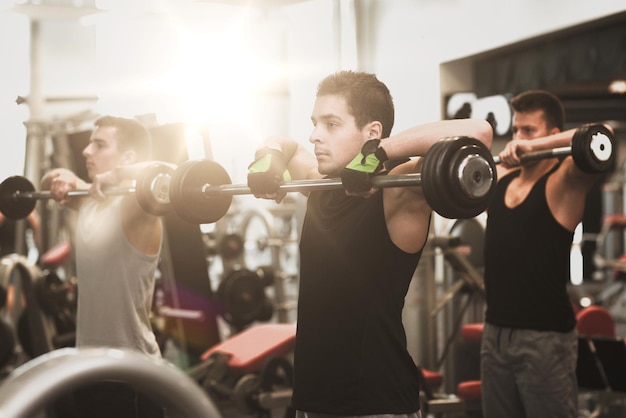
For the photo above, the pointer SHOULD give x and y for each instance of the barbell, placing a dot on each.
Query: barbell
(18, 196)
(592, 149)
(458, 179)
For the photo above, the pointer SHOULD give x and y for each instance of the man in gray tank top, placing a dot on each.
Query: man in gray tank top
(117, 248)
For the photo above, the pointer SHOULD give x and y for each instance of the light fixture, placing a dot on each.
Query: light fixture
(617, 87)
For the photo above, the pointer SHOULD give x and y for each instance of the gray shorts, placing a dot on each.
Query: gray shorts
(528, 373)
(301, 414)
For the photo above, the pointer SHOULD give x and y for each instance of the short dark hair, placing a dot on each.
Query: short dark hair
(131, 134)
(368, 98)
(551, 106)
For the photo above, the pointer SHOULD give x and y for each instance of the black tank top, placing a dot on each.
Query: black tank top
(527, 263)
(350, 355)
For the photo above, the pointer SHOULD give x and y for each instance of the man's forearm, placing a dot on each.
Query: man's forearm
(417, 141)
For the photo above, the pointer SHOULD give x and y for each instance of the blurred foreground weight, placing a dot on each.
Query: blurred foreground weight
(458, 178)
(18, 196)
(592, 148)
(242, 297)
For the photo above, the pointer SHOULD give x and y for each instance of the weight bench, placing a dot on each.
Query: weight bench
(251, 370)
(467, 399)
(470, 391)
(56, 256)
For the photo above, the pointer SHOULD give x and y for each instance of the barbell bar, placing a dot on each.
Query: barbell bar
(404, 180)
(592, 149)
(458, 178)
(18, 196)
(113, 191)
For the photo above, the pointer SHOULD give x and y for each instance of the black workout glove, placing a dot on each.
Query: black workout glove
(356, 177)
(267, 172)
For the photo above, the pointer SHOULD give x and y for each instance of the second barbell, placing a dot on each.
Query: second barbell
(18, 196)
(592, 148)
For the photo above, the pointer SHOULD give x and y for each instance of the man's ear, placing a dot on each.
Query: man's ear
(129, 157)
(554, 131)
(375, 130)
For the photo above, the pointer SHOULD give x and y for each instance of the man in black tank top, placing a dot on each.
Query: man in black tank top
(357, 255)
(529, 347)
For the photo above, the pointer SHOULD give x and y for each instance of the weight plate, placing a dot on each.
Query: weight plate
(244, 394)
(458, 177)
(14, 207)
(472, 177)
(242, 296)
(474, 174)
(231, 246)
(593, 148)
(472, 234)
(267, 311)
(276, 374)
(187, 197)
(445, 184)
(152, 189)
(429, 172)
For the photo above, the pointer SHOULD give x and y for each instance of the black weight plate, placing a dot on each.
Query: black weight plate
(593, 148)
(244, 394)
(267, 311)
(242, 296)
(276, 374)
(186, 195)
(14, 207)
(152, 189)
(472, 234)
(472, 176)
(448, 187)
(453, 197)
(231, 246)
(429, 172)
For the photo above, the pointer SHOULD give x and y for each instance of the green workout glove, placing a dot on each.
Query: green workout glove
(356, 177)
(267, 172)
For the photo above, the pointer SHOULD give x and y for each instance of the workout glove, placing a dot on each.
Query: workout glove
(356, 177)
(267, 172)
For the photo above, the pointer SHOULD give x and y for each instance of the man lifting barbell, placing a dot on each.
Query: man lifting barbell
(117, 245)
(529, 343)
(358, 255)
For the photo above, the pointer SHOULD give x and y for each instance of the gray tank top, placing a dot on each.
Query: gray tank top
(115, 282)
